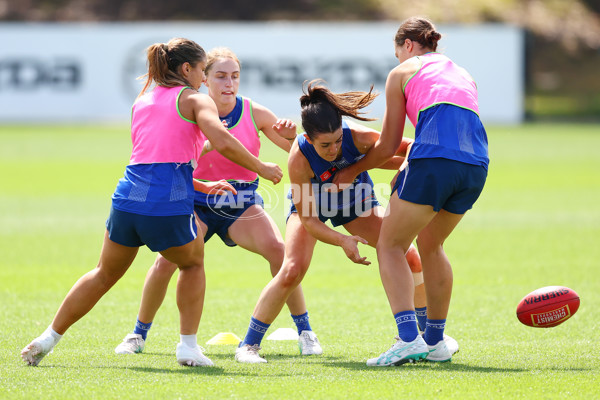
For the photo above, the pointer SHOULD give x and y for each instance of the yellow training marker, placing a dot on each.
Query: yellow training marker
(225, 338)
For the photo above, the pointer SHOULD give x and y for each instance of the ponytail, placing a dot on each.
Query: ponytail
(322, 110)
(164, 60)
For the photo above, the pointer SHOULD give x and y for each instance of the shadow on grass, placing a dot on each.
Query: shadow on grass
(278, 357)
(450, 367)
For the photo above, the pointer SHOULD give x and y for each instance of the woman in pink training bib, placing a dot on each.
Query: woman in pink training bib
(445, 174)
(153, 203)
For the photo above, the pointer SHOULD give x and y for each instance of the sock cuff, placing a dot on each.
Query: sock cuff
(189, 340)
(143, 326)
(436, 323)
(405, 316)
(421, 311)
(300, 318)
(53, 333)
(258, 326)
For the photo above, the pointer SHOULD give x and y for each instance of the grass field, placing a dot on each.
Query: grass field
(536, 224)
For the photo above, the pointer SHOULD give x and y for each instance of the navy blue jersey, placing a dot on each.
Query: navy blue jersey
(159, 189)
(450, 132)
(359, 190)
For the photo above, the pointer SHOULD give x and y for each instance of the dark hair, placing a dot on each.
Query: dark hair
(322, 110)
(164, 60)
(419, 30)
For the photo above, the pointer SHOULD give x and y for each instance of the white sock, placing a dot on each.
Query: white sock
(51, 332)
(189, 340)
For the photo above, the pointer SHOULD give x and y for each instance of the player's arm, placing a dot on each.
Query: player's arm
(206, 116)
(391, 136)
(282, 132)
(365, 138)
(305, 202)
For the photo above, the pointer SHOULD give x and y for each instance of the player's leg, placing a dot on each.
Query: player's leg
(461, 184)
(368, 226)
(299, 246)
(438, 276)
(114, 261)
(399, 228)
(191, 286)
(420, 298)
(153, 294)
(256, 231)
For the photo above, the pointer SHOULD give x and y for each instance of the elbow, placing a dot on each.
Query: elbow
(387, 152)
(223, 147)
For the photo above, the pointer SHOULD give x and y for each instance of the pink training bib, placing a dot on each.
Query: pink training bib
(159, 133)
(213, 166)
(439, 80)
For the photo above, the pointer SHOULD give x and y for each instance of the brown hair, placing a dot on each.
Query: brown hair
(164, 60)
(220, 52)
(419, 30)
(322, 110)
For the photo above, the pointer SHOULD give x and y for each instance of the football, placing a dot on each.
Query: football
(548, 306)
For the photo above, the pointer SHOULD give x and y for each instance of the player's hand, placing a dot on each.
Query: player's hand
(271, 171)
(208, 147)
(214, 188)
(286, 128)
(341, 180)
(350, 246)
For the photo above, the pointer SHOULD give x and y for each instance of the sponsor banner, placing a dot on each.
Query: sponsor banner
(87, 72)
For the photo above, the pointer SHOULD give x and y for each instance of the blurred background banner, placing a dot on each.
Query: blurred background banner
(77, 72)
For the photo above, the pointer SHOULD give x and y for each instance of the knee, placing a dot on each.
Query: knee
(163, 268)
(292, 273)
(427, 247)
(381, 246)
(386, 247)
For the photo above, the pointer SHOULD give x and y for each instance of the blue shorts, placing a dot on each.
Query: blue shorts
(157, 232)
(218, 219)
(441, 183)
(344, 215)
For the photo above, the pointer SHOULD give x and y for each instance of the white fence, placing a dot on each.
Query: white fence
(87, 72)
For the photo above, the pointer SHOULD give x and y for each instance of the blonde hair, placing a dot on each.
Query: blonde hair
(164, 60)
(217, 53)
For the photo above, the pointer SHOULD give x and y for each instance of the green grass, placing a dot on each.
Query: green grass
(536, 224)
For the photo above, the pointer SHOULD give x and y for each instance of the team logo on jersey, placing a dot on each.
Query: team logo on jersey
(328, 174)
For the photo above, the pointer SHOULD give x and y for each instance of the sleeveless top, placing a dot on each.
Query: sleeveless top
(324, 171)
(213, 166)
(439, 80)
(159, 132)
(441, 102)
(158, 180)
